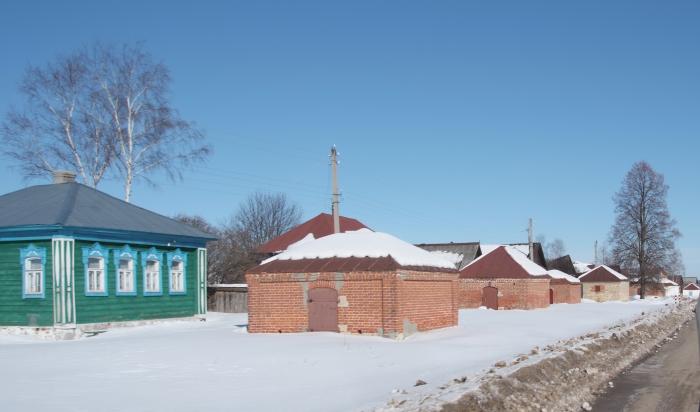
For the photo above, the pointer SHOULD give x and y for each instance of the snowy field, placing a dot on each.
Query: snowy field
(217, 366)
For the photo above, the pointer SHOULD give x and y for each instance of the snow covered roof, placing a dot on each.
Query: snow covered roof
(503, 262)
(318, 226)
(691, 286)
(558, 274)
(363, 243)
(602, 273)
(455, 258)
(582, 267)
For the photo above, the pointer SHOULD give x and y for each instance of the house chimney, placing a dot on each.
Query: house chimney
(63, 176)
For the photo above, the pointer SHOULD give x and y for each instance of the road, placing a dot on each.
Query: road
(669, 380)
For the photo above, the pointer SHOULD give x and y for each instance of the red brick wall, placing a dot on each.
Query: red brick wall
(512, 293)
(428, 304)
(566, 293)
(369, 302)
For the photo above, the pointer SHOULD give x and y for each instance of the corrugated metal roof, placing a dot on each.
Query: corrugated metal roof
(319, 226)
(468, 250)
(79, 206)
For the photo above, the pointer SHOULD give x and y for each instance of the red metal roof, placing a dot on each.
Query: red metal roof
(319, 226)
(351, 264)
(600, 274)
(497, 264)
(692, 286)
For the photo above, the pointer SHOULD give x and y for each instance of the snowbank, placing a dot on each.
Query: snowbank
(216, 365)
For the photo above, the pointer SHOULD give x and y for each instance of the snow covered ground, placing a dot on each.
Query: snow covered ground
(216, 365)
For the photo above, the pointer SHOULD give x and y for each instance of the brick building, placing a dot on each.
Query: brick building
(563, 288)
(356, 282)
(504, 278)
(603, 284)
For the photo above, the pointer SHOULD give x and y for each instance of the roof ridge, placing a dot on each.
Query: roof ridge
(68, 202)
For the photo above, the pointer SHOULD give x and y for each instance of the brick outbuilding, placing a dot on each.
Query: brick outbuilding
(603, 284)
(563, 288)
(357, 282)
(504, 279)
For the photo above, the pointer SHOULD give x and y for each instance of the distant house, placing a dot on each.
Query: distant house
(603, 284)
(691, 291)
(73, 258)
(504, 278)
(563, 288)
(355, 282)
(659, 286)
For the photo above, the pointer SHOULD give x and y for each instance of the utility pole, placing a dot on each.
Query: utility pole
(336, 194)
(595, 253)
(531, 248)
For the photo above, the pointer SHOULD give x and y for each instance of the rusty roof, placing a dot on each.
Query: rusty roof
(498, 264)
(350, 264)
(692, 286)
(319, 226)
(602, 274)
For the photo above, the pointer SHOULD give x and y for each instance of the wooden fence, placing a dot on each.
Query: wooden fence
(228, 298)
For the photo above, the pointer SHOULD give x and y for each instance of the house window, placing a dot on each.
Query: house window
(31, 260)
(152, 276)
(151, 261)
(94, 262)
(33, 276)
(177, 261)
(598, 288)
(96, 275)
(125, 278)
(125, 275)
(176, 281)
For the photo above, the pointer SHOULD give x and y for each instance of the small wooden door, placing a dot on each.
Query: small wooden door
(489, 297)
(551, 296)
(323, 310)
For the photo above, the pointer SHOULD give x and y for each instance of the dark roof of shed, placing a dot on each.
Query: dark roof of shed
(319, 226)
(78, 206)
(563, 263)
(351, 264)
(692, 286)
(468, 250)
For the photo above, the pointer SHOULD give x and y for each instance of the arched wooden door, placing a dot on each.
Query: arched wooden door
(551, 296)
(323, 310)
(489, 297)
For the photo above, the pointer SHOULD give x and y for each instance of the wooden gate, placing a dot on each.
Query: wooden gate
(323, 310)
(551, 296)
(489, 297)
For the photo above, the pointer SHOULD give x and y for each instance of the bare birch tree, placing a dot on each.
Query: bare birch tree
(62, 124)
(644, 234)
(150, 136)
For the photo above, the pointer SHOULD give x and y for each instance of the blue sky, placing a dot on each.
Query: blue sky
(455, 120)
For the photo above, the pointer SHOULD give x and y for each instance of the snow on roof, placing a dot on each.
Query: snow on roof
(522, 248)
(558, 274)
(581, 267)
(363, 243)
(307, 238)
(531, 267)
(611, 271)
(455, 258)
